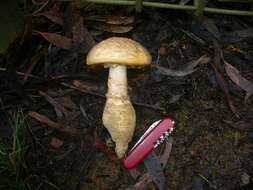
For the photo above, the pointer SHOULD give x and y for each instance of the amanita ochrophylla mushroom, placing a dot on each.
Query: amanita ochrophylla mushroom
(118, 53)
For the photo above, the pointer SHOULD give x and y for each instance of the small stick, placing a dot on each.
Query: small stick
(58, 107)
(102, 96)
(23, 74)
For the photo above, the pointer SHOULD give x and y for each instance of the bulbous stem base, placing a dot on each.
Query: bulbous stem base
(119, 115)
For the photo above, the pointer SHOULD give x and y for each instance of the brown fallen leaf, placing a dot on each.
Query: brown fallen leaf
(145, 179)
(105, 149)
(166, 154)
(44, 119)
(220, 78)
(135, 173)
(35, 59)
(67, 102)
(112, 28)
(210, 26)
(56, 143)
(247, 97)
(238, 79)
(84, 90)
(51, 17)
(111, 19)
(190, 68)
(57, 39)
(155, 170)
(81, 35)
(89, 86)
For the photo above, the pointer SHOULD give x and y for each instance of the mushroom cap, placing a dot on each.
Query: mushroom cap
(119, 50)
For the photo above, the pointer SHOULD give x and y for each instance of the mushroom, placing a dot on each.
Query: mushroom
(119, 115)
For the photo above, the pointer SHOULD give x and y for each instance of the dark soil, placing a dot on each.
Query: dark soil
(207, 153)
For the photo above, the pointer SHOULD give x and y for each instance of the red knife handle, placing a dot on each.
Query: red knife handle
(147, 143)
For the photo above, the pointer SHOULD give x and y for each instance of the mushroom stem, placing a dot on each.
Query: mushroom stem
(119, 115)
(117, 81)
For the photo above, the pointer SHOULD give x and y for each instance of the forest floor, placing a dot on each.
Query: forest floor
(51, 132)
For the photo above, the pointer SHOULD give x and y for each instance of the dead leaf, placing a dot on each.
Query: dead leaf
(59, 109)
(57, 39)
(166, 154)
(35, 59)
(242, 125)
(155, 170)
(89, 86)
(67, 102)
(51, 17)
(209, 24)
(105, 149)
(201, 180)
(172, 72)
(247, 97)
(202, 60)
(134, 173)
(111, 19)
(238, 79)
(190, 68)
(44, 119)
(56, 143)
(112, 28)
(81, 35)
(246, 33)
(163, 51)
(145, 179)
(194, 37)
(220, 78)
(174, 99)
(84, 90)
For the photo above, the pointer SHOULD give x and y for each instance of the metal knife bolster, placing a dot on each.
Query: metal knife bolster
(154, 135)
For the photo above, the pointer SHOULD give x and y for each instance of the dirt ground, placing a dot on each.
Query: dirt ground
(212, 146)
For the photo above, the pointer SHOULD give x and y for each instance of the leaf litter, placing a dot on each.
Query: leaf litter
(155, 172)
(189, 69)
(73, 115)
(238, 79)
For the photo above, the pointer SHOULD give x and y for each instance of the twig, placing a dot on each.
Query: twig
(44, 119)
(22, 74)
(34, 61)
(82, 90)
(42, 7)
(103, 96)
(59, 109)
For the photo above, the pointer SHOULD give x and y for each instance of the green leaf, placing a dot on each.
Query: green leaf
(11, 23)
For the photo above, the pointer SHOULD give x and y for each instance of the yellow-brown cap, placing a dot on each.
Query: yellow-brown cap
(119, 50)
